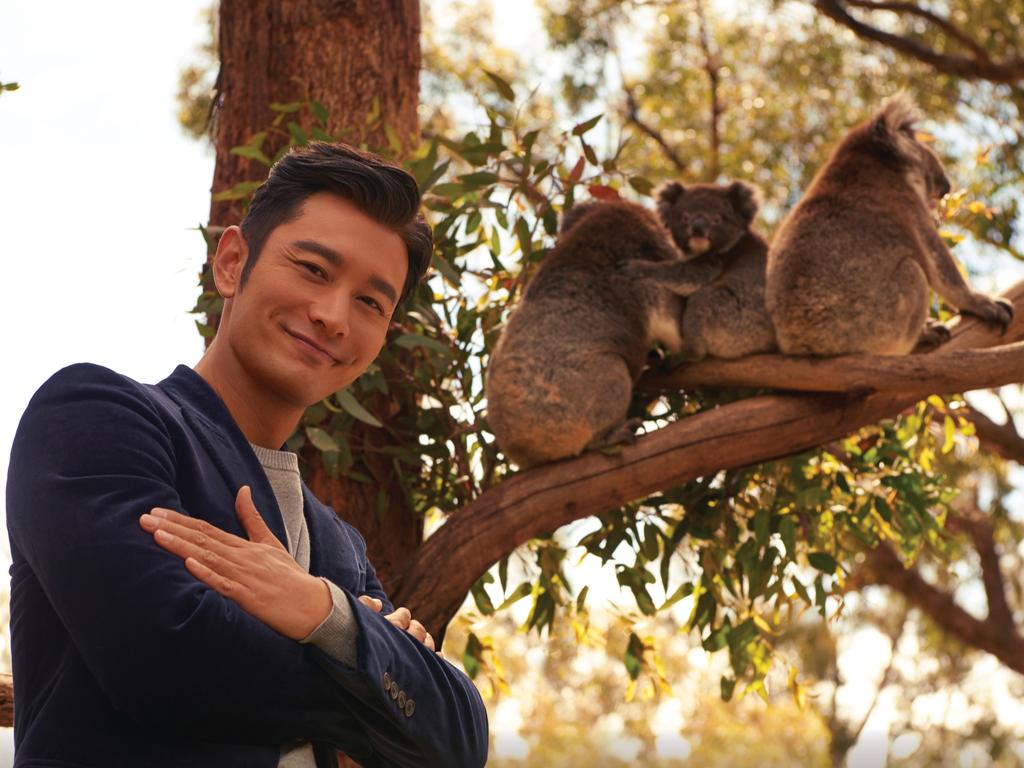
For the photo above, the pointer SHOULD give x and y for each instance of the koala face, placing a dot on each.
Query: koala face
(707, 218)
(927, 176)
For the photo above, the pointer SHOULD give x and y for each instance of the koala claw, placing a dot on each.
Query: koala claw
(934, 335)
(994, 312)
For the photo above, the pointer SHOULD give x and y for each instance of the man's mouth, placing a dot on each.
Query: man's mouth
(310, 344)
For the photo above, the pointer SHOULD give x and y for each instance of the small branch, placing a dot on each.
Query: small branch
(6, 701)
(979, 528)
(987, 635)
(968, 67)
(932, 18)
(1001, 439)
(711, 68)
(633, 114)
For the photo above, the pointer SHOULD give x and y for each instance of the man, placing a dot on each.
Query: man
(178, 596)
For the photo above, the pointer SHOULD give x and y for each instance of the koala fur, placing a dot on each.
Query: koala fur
(712, 223)
(850, 267)
(561, 377)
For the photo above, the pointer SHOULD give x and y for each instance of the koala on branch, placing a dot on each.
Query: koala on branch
(850, 268)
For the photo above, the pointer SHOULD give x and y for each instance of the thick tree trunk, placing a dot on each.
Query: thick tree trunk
(348, 54)
(360, 59)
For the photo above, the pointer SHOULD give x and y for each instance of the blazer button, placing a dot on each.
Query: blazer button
(387, 682)
(401, 699)
(410, 707)
(394, 690)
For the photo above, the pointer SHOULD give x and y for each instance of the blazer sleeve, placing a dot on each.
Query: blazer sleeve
(398, 678)
(91, 455)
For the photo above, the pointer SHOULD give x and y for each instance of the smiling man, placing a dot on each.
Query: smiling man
(178, 596)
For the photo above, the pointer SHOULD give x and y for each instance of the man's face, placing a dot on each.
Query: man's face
(315, 308)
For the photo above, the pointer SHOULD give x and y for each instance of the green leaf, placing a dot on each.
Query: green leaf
(298, 134)
(481, 598)
(787, 529)
(321, 440)
(525, 238)
(472, 655)
(728, 686)
(291, 106)
(685, 590)
(319, 112)
(441, 264)
(762, 524)
(801, 590)
(641, 185)
(241, 190)
(478, 179)
(634, 656)
(523, 590)
(348, 401)
(251, 153)
(413, 340)
(581, 599)
(392, 136)
(586, 125)
(823, 561)
(433, 177)
(949, 429)
(501, 86)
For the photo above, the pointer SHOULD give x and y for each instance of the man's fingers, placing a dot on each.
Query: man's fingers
(417, 630)
(400, 618)
(429, 641)
(251, 519)
(159, 517)
(371, 602)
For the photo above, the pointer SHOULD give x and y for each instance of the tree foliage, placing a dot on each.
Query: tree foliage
(648, 91)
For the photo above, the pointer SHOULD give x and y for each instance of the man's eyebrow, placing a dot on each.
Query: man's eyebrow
(335, 258)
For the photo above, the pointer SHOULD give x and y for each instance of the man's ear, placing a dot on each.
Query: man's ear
(228, 263)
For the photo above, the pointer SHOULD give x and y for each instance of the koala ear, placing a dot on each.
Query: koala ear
(745, 198)
(892, 128)
(668, 195)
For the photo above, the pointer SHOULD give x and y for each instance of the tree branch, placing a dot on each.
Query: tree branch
(1001, 439)
(1006, 644)
(977, 525)
(974, 67)
(633, 114)
(941, 371)
(933, 18)
(711, 69)
(735, 435)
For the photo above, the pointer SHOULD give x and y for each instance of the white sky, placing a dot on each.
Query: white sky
(98, 191)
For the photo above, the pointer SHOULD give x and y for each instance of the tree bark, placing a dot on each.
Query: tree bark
(346, 53)
(735, 435)
(358, 58)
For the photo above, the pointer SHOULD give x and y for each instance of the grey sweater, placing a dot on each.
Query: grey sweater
(336, 635)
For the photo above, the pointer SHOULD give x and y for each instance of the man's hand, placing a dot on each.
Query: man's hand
(402, 618)
(257, 573)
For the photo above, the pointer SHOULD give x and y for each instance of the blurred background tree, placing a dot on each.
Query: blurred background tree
(893, 554)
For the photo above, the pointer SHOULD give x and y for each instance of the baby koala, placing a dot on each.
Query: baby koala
(561, 376)
(850, 268)
(711, 224)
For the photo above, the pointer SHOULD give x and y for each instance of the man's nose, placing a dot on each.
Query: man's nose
(331, 312)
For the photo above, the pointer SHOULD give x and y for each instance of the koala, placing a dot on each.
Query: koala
(561, 376)
(850, 267)
(712, 223)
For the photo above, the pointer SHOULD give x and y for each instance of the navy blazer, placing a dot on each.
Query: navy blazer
(121, 657)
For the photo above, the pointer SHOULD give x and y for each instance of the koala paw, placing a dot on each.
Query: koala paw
(639, 270)
(997, 313)
(934, 335)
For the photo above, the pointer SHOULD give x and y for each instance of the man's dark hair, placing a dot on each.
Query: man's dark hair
(383, 191)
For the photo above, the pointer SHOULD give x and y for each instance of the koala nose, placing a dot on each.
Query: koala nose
(944, 186)
(700, 226)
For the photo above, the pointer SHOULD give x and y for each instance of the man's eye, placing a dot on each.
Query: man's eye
(372, 302)
(313, 268)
